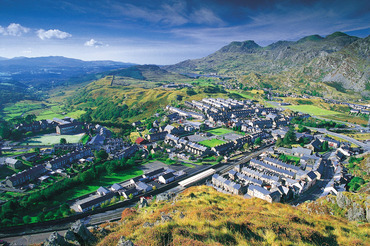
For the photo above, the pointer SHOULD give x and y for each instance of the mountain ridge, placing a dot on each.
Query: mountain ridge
(294, 59)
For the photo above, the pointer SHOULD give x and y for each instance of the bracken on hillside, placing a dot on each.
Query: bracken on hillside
(202, 216)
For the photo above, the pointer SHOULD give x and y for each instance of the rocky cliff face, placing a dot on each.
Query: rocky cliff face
(337, 58)
(354, 207)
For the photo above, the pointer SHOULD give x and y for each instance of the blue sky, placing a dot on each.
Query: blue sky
(166, 32)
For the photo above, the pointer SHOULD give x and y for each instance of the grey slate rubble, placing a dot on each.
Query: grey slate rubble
(342, 200)
(80, 229)
(70, 237)
(55, 239)
(166, 218)
(123, 242)
(77, 235)
(356, 213)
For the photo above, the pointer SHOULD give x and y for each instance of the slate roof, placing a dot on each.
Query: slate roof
(259, 189)
(103, 190)
(116, 187)
(97, 201)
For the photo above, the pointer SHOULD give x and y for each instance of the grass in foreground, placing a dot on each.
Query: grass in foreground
(211, 142)
(213, 218)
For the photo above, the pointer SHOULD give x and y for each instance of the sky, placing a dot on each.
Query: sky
(166, 31)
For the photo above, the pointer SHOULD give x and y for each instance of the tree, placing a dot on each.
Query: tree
(27, 219)
(130, 196)
(325, 146)
(279, 142)
(246, 146)
(290, 137)
(258, 141)
(101, 154)
(62, 141)
(220, 158)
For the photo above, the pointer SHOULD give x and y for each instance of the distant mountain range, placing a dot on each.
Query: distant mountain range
(338, 61)
(43, 70)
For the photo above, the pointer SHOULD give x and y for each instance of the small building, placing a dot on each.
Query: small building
(166, 178)
(29, 156)
(140, 140)
(89, 205)
(14, 163)
(102, 191)
(127, 193)
(116, 187)
(143, 187)
(154, 174)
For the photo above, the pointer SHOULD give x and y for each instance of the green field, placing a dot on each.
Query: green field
(106, 180)
(220, 131)
(42, 111)
(311, 109)
(50, 139)
(211, 142)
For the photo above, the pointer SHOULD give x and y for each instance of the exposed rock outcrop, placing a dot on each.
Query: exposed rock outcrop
(55, 239)
(77, 235)
(123, 242)
(82, 233)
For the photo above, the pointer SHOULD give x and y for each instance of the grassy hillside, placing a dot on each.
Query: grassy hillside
(136, 100)
(202, 216)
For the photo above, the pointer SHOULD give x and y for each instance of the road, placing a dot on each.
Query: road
(366, 147)
(315, 191)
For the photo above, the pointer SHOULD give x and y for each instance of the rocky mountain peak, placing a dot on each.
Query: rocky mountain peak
(240, 47)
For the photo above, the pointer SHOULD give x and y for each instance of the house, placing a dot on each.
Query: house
(157, 136)
(25, 176)
(143, 187)
(154, 174)
(14, 163)
(29, 156)
(102, 191)
(68, 159)
(136, 124)
(127, 193)
(228, 185)
(68, 128)
(315, 145)
(166, 178)
(140, 140)
(116, 187)
(197, 149)
(224, 148)
(127, 152)
(311, 178)
(97, 140)
(259, 192)
(89, 205)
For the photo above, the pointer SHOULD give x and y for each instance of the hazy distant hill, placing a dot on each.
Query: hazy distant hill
(43, 70)
(146, 72)
(339, 60)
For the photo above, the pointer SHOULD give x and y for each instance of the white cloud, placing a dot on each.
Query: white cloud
(93, 43)
(13, 29)
(52, 33)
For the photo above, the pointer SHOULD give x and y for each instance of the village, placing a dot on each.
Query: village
(223, 130)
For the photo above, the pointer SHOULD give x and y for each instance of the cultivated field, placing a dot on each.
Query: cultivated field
(311, 109)
(220, 131)
(53, 138)
(211, 142)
